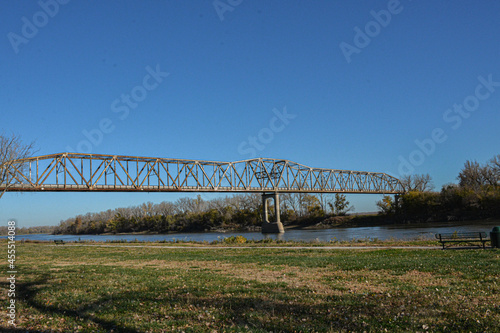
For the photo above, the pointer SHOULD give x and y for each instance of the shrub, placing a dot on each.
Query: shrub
(235, 240)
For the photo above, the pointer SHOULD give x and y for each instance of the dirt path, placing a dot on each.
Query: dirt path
(265, 247)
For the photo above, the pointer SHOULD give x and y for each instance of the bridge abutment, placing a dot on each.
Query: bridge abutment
(274, 227)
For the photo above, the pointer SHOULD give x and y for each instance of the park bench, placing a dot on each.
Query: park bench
(463, 237)
(58, 241)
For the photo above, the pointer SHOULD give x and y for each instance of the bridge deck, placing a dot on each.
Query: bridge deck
(152, 188)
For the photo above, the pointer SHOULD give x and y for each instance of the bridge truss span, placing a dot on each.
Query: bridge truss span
(115, 173)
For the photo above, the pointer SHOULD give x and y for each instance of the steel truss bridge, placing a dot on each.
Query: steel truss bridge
(114, 173)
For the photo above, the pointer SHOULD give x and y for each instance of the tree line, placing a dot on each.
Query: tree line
(476, 196)
(28, 230)
(239, 212)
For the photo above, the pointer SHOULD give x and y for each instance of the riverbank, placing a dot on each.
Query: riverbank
(332, 222)
(331, 235)
(242, 242)
(133, 289)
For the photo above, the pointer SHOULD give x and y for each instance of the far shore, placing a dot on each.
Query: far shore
(348, 221)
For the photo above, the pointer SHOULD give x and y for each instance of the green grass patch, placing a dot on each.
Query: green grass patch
(155, 289)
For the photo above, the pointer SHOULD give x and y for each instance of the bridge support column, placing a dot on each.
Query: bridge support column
(268, 227)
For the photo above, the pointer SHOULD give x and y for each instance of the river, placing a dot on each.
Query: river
(399, 232)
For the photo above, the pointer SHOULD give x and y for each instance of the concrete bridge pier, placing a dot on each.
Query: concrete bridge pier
(268, 227)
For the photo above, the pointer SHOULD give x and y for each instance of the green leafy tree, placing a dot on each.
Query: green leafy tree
(313, 206)
(386, 205)
(340, 205)
(420, 206)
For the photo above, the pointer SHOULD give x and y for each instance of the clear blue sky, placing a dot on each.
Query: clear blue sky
(364, 80)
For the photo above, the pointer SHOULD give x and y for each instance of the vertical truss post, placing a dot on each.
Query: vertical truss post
(275, 227)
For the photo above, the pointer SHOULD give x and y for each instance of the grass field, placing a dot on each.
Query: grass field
(70, 288)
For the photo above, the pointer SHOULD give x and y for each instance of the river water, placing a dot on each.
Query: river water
(399, 232)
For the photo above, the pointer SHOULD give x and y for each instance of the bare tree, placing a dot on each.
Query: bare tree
(472, 175)
(148, 209)
(325, 201)
(419, 183)
(189, 205)
(489, 176)
(218, 204)
(234, 202)
(494, 166)
(12, 150)
(124, 212)
(288, 202)
(475, 175)
(298, 202)
(251, 201)
(495, 163)
(165, 208)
